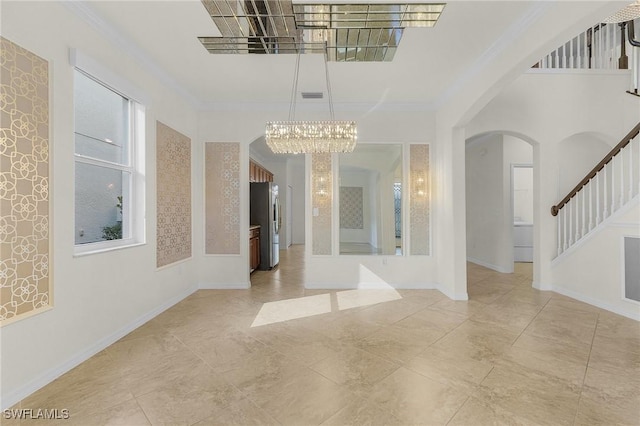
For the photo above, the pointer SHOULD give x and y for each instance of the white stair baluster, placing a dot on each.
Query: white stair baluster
(577, 207)
(584, 211)
(631, 169)
(605, 214)
(621, 165)
(566, 239)
(559, 237)
(598, 218)
(590, 204)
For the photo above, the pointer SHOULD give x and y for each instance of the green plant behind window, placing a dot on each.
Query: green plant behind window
(114, 232)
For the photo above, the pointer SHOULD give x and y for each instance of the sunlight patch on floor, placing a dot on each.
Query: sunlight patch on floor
(285, 310)
(371, 290)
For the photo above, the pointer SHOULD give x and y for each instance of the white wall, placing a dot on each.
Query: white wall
(593, 271)
(486, 239)
(578, 155)
(97, 298)
(545, 108)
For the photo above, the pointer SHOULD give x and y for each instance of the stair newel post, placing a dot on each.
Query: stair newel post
(623, 62)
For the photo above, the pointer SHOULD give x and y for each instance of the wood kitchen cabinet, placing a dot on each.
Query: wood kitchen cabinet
(254, 247)
(257, 173)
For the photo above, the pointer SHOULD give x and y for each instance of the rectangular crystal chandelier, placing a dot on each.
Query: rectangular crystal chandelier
(298, 137)
(310, 137)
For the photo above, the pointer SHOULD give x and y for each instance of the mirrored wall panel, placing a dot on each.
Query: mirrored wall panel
(370, 199)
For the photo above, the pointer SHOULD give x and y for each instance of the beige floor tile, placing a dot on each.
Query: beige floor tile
(386, 313)
(306, 399)
(355, 369)
(240, 413)
(477, 412)
(399, 344)
(478, 341)
(89, 388)
(619, 393)
(295, 342)
(553, 357)
(344, 328)
(191, 399)
(611, 358)
(437, 319)
(511, 319)
(362, 412)
(415, 399)
(162, 373)
(11, 418)
(128, 413)
(530, 394)
(465, 307)
(224, 351)
(600, 413)
(561, 329)
(262, 372)
(450, 368)
(203, 360)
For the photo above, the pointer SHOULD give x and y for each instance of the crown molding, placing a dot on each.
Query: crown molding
(94, 20)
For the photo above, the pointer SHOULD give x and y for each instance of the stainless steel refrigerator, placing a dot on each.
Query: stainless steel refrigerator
(265, 211)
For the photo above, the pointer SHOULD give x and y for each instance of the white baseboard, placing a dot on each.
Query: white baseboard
(490, 265)
(542, 286)
(17, 395)
(633, 312)
(453, 295)
(225, 286)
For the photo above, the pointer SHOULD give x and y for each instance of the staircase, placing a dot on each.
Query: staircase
(607, 189)
(601, 47)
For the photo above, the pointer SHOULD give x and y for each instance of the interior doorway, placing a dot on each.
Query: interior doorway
(522, 202)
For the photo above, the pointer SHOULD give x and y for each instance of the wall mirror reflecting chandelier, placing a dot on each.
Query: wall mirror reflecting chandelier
(370, 200)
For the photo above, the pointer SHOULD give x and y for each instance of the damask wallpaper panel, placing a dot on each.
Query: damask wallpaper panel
(351, 207)
(173, 177)
(25, 286)
(222, 198)
(419, 214)
(322, 196)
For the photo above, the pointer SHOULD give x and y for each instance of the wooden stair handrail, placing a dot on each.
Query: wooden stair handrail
(624, 142)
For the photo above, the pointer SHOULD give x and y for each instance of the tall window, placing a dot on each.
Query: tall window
(106, 166)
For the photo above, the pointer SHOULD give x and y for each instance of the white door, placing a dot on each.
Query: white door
(289, 215)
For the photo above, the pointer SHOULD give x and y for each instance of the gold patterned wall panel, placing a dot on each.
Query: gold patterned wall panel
(419, 183)
(173, 174)
(222, 198)
(24, 182)
(322, 197)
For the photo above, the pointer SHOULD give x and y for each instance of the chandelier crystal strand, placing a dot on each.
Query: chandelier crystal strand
(627, 13)
(299, 137)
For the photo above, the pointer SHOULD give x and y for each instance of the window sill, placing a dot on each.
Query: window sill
(101, 247)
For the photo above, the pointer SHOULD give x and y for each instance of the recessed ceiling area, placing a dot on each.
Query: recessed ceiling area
(362, 32)
(428, 62)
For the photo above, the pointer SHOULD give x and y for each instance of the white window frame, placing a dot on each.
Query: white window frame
(134, 192)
